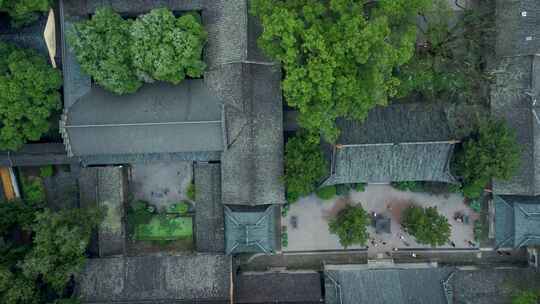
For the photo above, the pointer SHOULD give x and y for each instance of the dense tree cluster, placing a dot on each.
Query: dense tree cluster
(426, 225)
(491, 152)
(120, 54)
(24, 12)
(305, 166)
(29, 87)
(351, 226)
(41, 250)
(339, 56)
(451, 62)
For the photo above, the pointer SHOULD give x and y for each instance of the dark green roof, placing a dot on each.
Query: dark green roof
(517, 221)
(250, 230)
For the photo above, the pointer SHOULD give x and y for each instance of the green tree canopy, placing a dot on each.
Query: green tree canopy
(102, 47)
(59, 245)
(120, 54)
(451, 65)
(29, 87)
(339, 56)
(305, 166)
(426, 225)
(491, 152)
(24, 12)
(167, 48)
(526, 297)
(350, 225)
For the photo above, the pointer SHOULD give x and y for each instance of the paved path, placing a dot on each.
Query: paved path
(316, 260)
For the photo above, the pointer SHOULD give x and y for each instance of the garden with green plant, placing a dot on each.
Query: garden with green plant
(157, 46)
(145, 223)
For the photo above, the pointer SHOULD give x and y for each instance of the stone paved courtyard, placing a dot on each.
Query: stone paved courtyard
(161, 184)
(312, 216)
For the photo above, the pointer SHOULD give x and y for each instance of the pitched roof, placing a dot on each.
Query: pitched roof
(30, 36)
(351, 284)
(159, 118)
(105, 188)
(517, 221)
(156, 279)
(518, 27)
(401, 142)
(398, 123)
(252, 161)
(382, 163)
(209, 224)
(301, 287)
(250, 230)
(246, 84)
(514, 99)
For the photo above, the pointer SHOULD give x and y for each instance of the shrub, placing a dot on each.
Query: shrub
(407, 186)
(30, 94)
(285, 209)
(180, 208)
(526, 297)
(339, 58)
(284, 237)
(476, 206)
(480, 231)
(46, 171)
(350, 225)
(474, 190)
(360, 187)
(102, 47)
(426, 225)
(33, 190)
(24, 12)
(167, 48)
(326, 193)
(305, 166)
(191, 191)
(491, 152)
(343, 189)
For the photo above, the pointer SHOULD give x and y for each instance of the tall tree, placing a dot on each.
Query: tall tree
(305, 166)
(339, 56)
(167, 48)
(59, 245)
(426, 225)
(491, 152)
(102, 48)
(29, 87)
(351, 226)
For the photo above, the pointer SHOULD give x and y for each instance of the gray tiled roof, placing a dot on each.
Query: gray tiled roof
(517, 221)
(401, 142)
(247, 86)
(398, 123)
(209, 225)
(278, 287)
(30, 36)
(155, 279)
(250, 231)
(383, 163)
(518, 27)
(384, 286)
(105, 187)
(253, 160)
(513, 99)
(159, 118)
